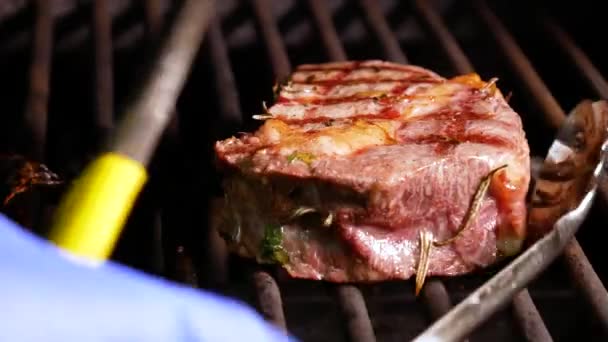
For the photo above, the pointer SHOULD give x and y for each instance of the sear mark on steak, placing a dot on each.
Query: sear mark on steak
(355, 159)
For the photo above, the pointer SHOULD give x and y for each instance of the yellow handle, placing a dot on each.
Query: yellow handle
(90, 218)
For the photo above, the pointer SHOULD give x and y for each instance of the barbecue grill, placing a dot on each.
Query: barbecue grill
(69, 67)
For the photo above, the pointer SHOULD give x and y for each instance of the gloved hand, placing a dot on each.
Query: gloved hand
(46, 296)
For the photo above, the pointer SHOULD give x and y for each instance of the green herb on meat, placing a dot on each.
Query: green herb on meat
(271, 249)
(305, 157)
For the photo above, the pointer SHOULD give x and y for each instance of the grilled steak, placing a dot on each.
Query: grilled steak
(355, 159)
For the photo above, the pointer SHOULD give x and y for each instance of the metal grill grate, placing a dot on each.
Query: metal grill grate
(173, 249)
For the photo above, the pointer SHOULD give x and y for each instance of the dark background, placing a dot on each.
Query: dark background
(184, 180)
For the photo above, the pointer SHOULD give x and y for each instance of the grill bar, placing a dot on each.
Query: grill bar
(580, 268)
(231, 115)
(267, 291)
(226, 84)
(269, 298)
(437, 298)
(578, 57)
(36, 112)
(217, 256)
(524, 309)
(552, 110)
(154, 19)
(274, 44)
(351, 300)
(379, 26)
(434, 292)
(102, 31)
(185, 270)
(158, 257)
(328, 33)
(36, 107)
(434, 23)
(355, 312)
(577, 262)
(529, 319)
(586, 280)
(329, 36)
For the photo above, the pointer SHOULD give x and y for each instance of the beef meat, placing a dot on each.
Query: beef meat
(355, 159)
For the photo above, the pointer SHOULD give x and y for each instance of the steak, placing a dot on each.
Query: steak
(356, 159)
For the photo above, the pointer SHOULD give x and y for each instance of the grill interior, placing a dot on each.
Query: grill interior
(69, 67)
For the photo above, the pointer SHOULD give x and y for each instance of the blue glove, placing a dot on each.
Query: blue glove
(48, 297)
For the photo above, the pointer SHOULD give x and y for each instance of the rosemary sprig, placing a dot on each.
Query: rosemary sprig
(427, 241)
(302, 211)
(474, 206)
(262, 116)
(490, 87)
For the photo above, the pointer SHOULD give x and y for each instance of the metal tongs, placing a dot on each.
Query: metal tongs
(562, 198)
